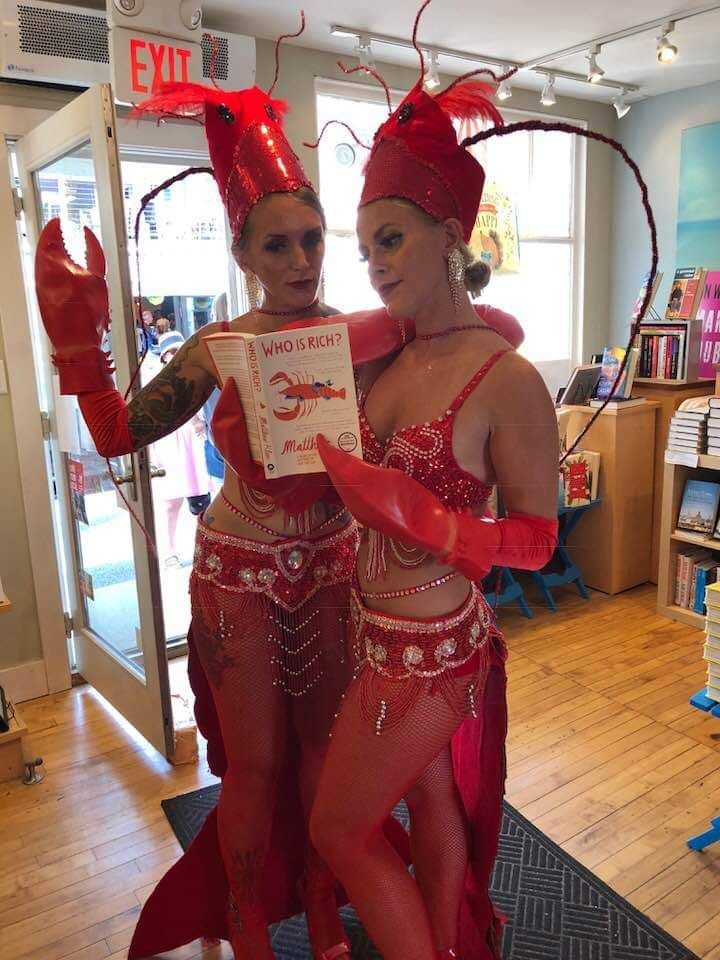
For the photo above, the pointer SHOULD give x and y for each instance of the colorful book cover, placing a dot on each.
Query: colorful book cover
(684, 293)
(708, 316)
(643, 291)
(495, 237)
(699, 507)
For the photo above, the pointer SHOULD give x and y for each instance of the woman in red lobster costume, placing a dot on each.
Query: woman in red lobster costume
(270, 583)
(454, 414)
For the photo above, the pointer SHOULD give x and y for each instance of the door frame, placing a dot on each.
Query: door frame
(55, 676)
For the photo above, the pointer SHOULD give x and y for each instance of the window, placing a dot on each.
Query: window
(537, 173)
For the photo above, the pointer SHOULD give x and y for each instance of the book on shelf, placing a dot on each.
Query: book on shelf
(685, 571)
(699, 507)
(712, 654)
(704, 573)
(713, 691)
(661, 350)
(612, 359)
(694, 408)
(643, 290)
(576, 479)
(292, 385)
(714, 405)
(685, 292)
(708, 315)
(688, 428)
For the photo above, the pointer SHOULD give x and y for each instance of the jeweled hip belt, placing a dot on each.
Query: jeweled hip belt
(288, 571)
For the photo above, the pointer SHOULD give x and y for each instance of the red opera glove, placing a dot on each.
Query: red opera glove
(229, 430)
(73, 303)
(504, 324)
(388, 500)
(373, 333)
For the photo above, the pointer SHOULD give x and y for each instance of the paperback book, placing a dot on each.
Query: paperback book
(292, 384)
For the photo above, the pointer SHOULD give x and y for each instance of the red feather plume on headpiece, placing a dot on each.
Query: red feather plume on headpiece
(469, 101)
(190, 100)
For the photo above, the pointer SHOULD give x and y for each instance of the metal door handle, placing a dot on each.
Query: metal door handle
(157, 472)
(125, 477)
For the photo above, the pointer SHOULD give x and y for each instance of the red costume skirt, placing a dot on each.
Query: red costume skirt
(287, 588)
(431, 654)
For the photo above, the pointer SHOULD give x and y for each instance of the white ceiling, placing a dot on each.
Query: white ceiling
(520, 30)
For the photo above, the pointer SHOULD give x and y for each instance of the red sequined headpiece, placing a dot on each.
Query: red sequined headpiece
(249, 152)
(416, 155)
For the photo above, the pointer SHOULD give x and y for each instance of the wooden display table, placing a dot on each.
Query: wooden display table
(669, 396)
(612, 545)
(12, 759)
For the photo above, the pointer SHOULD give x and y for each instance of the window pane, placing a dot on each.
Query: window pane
(341, 160)
(347, 286)
(507, 163)
(550, 200)
(540, 297)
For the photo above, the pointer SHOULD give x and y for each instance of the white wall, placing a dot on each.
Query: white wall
(651, 134)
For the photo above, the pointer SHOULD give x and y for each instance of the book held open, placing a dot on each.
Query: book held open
(293, 384)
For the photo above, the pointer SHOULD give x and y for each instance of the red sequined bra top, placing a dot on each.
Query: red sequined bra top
(424, 451)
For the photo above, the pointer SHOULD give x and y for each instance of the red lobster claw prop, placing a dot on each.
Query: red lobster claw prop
(390, 501)
(74, 307)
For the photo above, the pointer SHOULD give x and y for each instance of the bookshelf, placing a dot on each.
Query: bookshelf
(691, 354)
(674, 541)
(669, 395)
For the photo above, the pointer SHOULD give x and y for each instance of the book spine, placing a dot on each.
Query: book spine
(674, 359)
(693, 585)
(662, 354)
(678, 580)
(654, 361)
(644, 355)
(261, 408)
(700, 583)
(683, 580)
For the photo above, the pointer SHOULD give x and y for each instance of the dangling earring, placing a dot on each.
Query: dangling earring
(456, 277)
(254, 290)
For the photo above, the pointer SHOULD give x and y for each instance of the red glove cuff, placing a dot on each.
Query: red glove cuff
(522, 541)
(106, 415)
(84, 371)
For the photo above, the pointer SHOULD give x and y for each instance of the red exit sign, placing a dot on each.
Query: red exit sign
(142, 61)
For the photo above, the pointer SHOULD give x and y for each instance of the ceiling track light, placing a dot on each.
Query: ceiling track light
(363, 51)
(620, 104)
(504, 91)
(547, 97)
(595, 73)
(666, 51)
(432, 76)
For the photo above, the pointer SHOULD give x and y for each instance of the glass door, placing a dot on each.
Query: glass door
(69, 166)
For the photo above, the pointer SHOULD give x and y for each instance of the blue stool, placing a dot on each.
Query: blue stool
(509, 590)
(701, 701)
(569, 571)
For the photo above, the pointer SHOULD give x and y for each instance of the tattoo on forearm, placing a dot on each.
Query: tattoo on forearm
(172, 398)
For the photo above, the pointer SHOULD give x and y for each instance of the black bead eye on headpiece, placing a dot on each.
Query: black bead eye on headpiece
(270, 111)
(405, 113)
(226, 113)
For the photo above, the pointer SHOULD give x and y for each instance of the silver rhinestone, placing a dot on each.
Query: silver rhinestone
(266, 576)
(412, 656)
(247, 576)
(445, 649)
(214, 563)
(295, 559)
(320, 573)
(475, 630)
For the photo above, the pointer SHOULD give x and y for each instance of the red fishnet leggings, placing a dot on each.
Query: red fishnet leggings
(236, 635)
(363, 777)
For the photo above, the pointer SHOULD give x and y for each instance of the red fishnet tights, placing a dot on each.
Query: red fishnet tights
(363, 777)
(235, 635)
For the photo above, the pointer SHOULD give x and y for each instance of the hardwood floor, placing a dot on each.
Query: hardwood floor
(605, 756)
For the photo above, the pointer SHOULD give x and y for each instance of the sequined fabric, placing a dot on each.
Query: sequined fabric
(402, 647)
(263, 163)
(288, 571)
(400, 658)
(424, 451)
